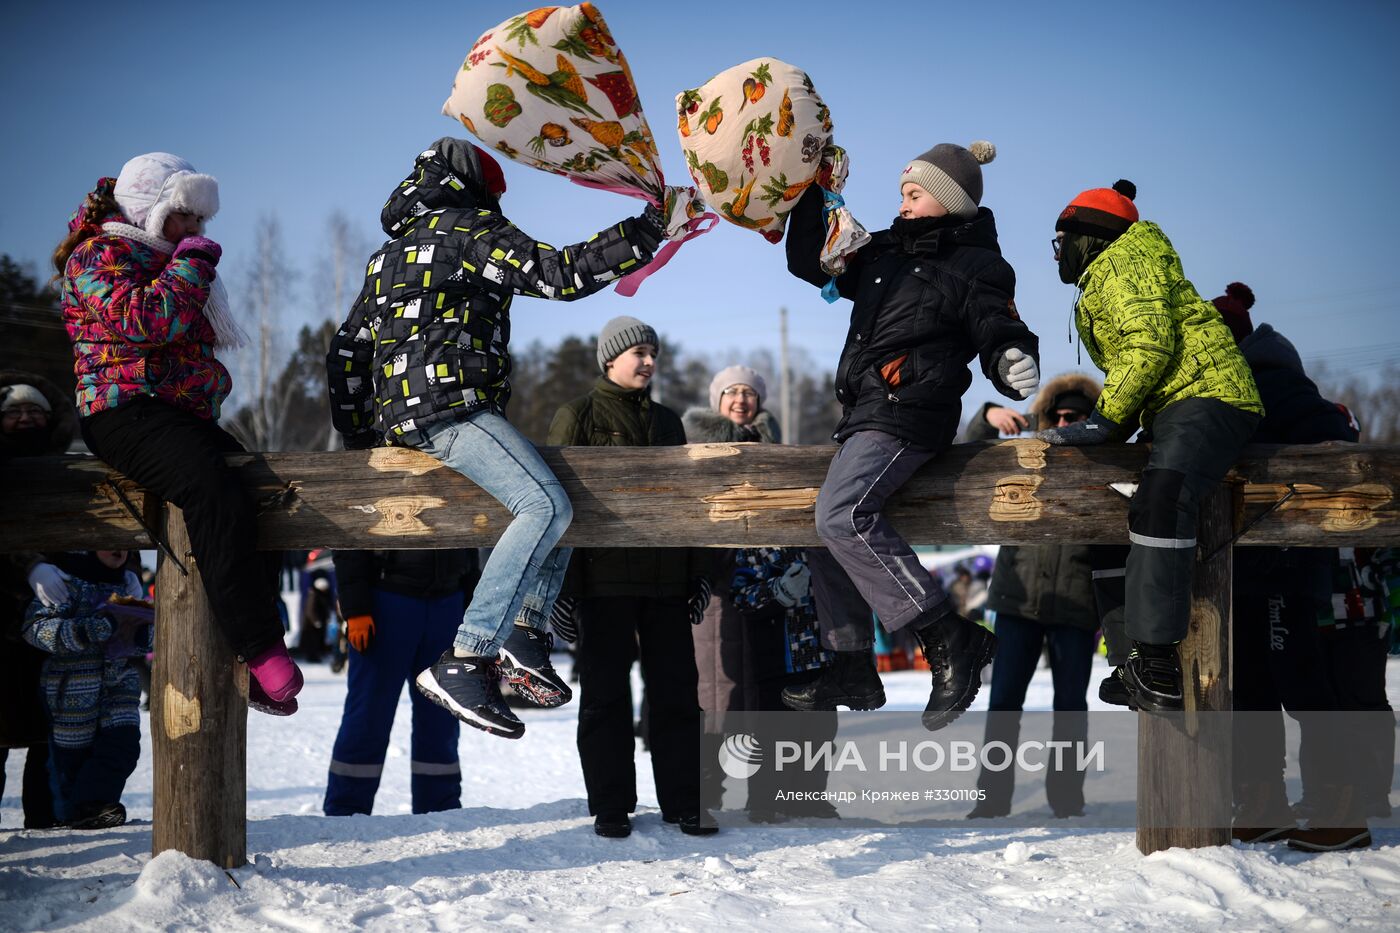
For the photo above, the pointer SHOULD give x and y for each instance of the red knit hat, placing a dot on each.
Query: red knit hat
(1234, 307)
(491, 175)
(1101, 212)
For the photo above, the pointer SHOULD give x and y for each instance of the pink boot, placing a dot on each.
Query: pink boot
(276, 673)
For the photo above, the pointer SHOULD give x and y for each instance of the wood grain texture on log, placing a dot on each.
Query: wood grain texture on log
(1013, 492)
(199, 720)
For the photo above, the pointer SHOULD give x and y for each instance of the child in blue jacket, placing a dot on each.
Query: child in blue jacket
(91, 688)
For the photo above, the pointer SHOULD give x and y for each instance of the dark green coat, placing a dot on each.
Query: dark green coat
(611, 416)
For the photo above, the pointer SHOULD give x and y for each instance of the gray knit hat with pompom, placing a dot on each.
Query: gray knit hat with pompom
(621, 333)
(952, 174)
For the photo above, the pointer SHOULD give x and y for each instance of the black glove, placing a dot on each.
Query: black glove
(563, 619)
(362, 440)
(699, 600)
(1082, 433)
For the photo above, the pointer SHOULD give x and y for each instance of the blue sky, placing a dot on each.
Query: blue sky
(1261, 136)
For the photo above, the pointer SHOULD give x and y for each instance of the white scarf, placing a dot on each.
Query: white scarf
(217, 312)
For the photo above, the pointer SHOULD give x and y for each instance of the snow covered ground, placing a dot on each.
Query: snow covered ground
(523, 853)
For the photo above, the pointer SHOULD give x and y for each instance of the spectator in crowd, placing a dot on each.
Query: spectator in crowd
(759, 634)
(401, 609)
(316, 609)
(91, 688)
(634, 604)
(36, 419)
(1043, 596)
(1279, 594)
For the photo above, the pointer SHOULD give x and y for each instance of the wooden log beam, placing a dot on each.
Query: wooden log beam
(1010, 492)
(199, 720)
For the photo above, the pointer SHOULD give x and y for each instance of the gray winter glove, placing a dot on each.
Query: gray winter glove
(792, 587)
(1082, 433)
(563, 619)
(1018, 370)
(699, 600)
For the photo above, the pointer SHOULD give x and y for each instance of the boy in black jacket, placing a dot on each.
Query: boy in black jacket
(930, 294)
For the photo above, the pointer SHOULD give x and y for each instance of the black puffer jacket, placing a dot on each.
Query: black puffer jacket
(1294, 413)
(426, 339)
(930, 295)
(422, 574)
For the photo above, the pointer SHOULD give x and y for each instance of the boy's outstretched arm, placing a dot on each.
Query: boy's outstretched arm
(498, 255)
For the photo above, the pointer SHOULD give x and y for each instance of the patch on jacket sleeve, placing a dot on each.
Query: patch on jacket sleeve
(1011, 309)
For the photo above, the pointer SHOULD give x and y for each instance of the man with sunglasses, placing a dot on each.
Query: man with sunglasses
(1042, 595)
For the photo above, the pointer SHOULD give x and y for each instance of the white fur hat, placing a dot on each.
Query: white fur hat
(733, 376)
(152, 186)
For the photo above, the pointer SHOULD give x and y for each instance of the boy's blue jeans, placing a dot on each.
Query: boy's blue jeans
(521, 578)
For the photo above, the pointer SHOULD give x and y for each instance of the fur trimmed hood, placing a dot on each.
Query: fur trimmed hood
(705, 426)
(63, 418)
(1066, 382)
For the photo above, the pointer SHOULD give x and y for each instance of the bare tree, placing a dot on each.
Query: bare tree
(1374, 401)
(267, 296)
(338, 278)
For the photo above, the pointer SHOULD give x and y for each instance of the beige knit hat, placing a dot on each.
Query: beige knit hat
(952, 174)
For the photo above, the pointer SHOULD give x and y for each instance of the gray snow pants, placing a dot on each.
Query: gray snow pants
(867, 566)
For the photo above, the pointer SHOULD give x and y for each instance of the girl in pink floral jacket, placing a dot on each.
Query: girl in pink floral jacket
(147, 316)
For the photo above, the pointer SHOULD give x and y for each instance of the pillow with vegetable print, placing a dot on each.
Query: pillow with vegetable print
(550, 88)
(755, 137)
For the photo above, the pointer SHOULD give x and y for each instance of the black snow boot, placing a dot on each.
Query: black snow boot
(850, 681)
(1151, 677)
(99, 816)
(525, 665)
(611, 825)
(956, 650)
(1113, 692)
(468, 689)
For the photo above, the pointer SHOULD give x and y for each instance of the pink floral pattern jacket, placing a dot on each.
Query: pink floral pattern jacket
(135, 317)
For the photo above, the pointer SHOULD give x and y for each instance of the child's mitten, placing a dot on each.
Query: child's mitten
(1019, 372)
(1082, 433)
(792, 587)
(198, 247)
(97, 628)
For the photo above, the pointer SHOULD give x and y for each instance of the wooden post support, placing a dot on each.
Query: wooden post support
(199, 719)
(1184, 760)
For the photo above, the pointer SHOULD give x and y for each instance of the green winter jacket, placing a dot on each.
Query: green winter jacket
(611, 416)
(1154, 337)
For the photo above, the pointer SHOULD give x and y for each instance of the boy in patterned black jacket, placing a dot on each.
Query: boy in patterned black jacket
(422, 361)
